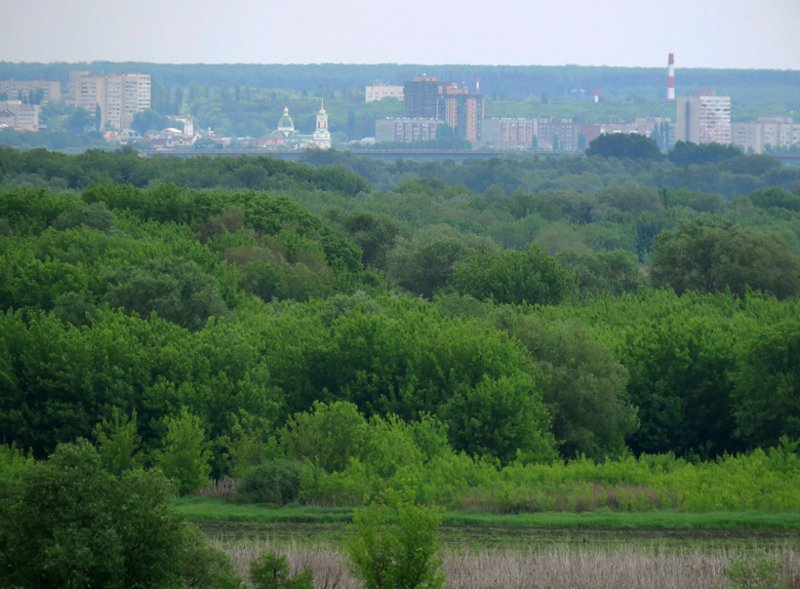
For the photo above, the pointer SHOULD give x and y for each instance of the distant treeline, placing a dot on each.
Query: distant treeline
(745, 86)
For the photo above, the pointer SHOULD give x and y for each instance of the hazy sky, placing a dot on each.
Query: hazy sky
(701, 33)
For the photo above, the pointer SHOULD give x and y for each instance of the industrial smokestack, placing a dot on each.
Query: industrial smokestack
(477, 85)
(596, 95)
(671, 78)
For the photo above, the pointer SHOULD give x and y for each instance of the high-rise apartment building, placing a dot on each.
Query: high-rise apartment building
(119, 96)
(704, 118)
(421, 97)
(462, 111)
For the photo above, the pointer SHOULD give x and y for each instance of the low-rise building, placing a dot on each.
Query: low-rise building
(508, 133)
(659, 129)
(556, 134)
(378, 92)
(405, 129)
(16, 115)
(31, 91)
(766, 134)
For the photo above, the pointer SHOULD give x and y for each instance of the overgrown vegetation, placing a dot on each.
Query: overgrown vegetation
(325, 344)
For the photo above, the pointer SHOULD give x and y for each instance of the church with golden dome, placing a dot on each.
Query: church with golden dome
(285, 136)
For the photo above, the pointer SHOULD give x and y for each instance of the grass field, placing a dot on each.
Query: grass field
(597, 550)
(216, 510)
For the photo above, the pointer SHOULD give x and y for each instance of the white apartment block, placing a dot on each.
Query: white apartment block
(508, 133)
(119, 96)
(380, 91)
(405, 129)
(766, 133)
(704, 118)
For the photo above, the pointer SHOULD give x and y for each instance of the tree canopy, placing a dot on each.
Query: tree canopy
(624, 145)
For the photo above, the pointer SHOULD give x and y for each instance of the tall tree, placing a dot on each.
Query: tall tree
(708, 257)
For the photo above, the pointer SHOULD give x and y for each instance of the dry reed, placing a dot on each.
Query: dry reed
(219, 489)
(552, 568)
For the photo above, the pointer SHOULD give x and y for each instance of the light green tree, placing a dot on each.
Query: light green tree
(118, 442)
(395, 545)
(185, 455)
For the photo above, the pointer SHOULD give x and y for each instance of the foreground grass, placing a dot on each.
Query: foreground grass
(216, 510)
(563, 567)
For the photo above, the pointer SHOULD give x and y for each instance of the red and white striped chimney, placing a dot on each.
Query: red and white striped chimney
(596, 95)
(671, 78)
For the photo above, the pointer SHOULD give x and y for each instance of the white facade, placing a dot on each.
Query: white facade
(381, 91)
(704, 119)
(767, 133)
(119, 96)
(508, 133)
(322, 136)
(405, 129)
(18, 116)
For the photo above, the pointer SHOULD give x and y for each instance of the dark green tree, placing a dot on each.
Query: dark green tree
(80, 120)
(582, 383)
(680, 368)
(275, 482)
(148, 120)
(614, 272)
(708, 257)
(685, 153)
(424, 264)
(69, 523)
(777, 198)
(176, 290)
(624, 145)
(767, 387)
(510, 276)
(374, 234)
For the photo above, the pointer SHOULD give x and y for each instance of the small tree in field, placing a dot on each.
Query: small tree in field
(270, 571)
(395, 545)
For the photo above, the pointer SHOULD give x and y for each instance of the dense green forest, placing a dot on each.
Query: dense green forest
(511, 335)
(244, 296)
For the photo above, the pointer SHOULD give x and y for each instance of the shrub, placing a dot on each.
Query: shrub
(275, 481)
(270, 571)
(759, 572)
(66, 522)
(395, 545)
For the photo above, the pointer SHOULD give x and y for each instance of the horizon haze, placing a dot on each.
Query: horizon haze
(736, 34)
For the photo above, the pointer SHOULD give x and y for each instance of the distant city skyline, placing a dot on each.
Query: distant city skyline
(741, 34)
